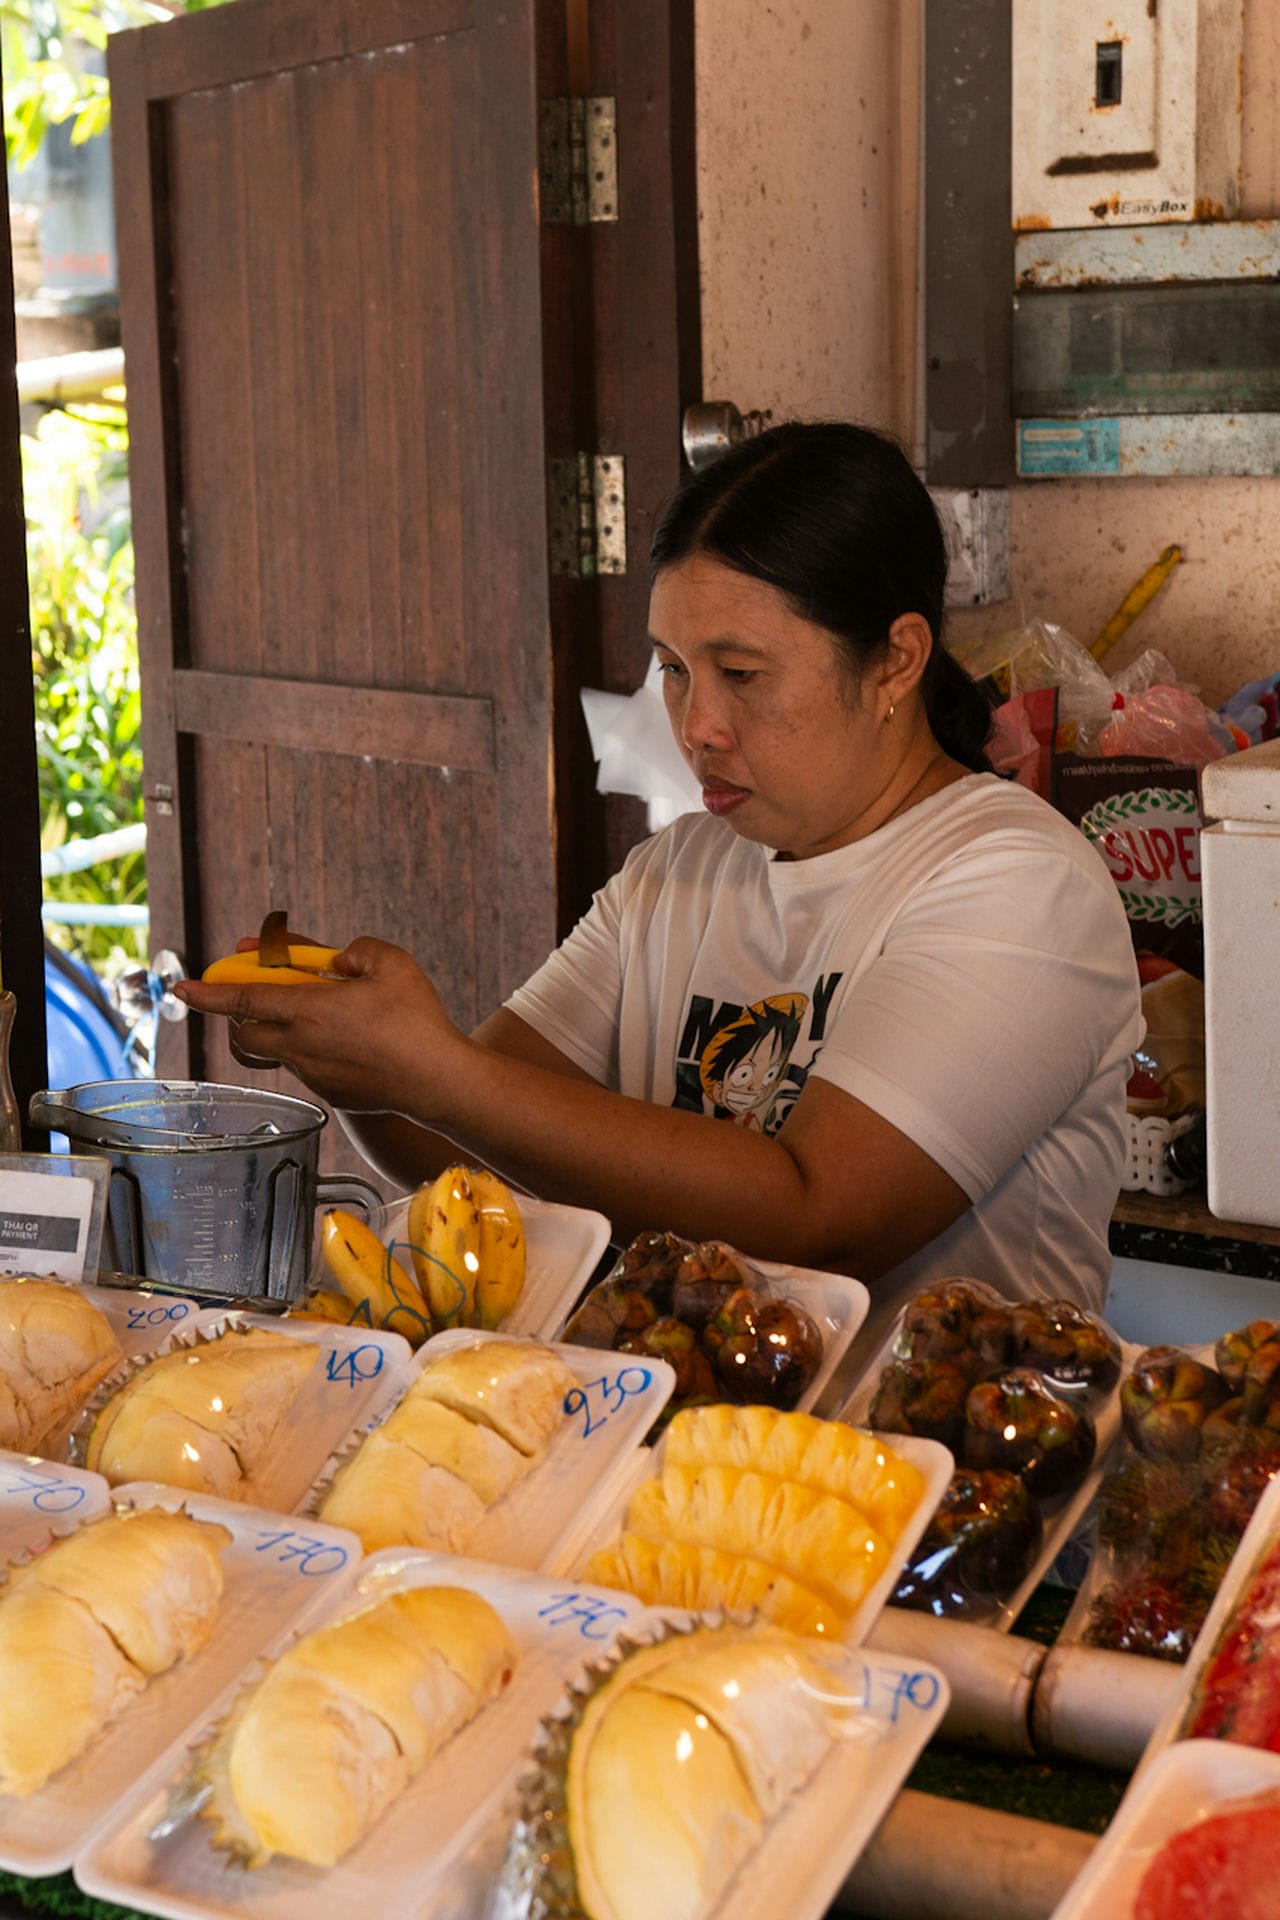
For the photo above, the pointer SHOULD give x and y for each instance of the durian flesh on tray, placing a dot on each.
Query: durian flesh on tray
(753, 1507)
(55, 1346)
(655, 1785)
(311, 1756)
(474, 1422)
(201, 1416)
(87, 1622)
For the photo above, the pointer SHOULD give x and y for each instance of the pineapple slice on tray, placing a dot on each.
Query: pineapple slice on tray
(789, 1514)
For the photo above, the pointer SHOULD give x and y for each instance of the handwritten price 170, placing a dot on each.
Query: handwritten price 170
(900, 1687)
(590, 1612)
(596, 1400)
(312, 1556)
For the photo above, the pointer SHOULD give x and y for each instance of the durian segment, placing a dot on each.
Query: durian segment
(769, 1698)
(819, 1540)
(516, 1387)
(153, 1579)
(827, 1455)
(201, 1417)
(660, 1814)
(344, 1719)
(673, 1574)
(84, 1624)
(391, 1497)
(490, 1465)
(62, 1678)
(55, 1346)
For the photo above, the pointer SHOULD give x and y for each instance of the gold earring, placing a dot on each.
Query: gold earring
(891, 712)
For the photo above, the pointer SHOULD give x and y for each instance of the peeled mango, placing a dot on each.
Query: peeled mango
(306, 965)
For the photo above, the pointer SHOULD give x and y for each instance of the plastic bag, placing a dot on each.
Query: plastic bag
(1169, 723)
(636, 752)
(1202, 1434)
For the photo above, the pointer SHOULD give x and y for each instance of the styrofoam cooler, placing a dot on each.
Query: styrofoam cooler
(1240, 858)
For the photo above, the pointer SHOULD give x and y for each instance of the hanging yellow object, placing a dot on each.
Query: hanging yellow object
(1138, 596)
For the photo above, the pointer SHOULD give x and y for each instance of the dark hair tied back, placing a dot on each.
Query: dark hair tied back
(833, 516)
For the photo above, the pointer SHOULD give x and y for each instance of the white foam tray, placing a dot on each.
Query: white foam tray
(355, 1374)
(1181, 1787)
(595, 1530)
(39, 1498)
(562, 1244)
(1061, 1520)
(143, 1319)
(275, 1573)
(437, 1851)
(401, 1869)
(617, 1400)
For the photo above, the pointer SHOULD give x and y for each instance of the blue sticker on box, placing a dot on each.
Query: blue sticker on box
(1060, 447)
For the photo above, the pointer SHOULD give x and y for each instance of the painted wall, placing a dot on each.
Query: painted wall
(808, 130)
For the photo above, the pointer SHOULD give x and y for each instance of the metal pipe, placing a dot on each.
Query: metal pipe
(70, 376)
(1093, 1705)
(1015, 1696)
(73, 856)
(935, 1859)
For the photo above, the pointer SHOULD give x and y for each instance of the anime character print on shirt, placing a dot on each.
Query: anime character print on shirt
(738, 1060)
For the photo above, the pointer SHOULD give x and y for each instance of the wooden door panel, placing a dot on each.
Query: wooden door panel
(331, 321)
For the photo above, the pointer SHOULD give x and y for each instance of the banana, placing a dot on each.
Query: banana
(444, 1243)
(323, 1304)
(375, 1283)
(468, 1246)
(503, 1255)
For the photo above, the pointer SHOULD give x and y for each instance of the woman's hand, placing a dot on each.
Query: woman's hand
(379, 1041)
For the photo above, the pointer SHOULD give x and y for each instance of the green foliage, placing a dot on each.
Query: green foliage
(84, 657)
(51, 74)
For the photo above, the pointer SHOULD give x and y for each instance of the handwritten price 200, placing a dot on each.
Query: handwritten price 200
(597, 1400)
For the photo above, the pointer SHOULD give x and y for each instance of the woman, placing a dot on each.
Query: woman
(870, 1010)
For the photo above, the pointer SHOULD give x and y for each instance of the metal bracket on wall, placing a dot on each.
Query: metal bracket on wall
(975, 523)
(578, 160)
(587, 515)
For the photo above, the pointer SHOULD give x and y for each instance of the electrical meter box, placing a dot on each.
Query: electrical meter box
(1126, 113)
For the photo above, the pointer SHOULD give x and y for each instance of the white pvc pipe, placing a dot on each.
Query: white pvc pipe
(1090, 1704)
(992, 1675)
(935, 1859)
(70, 376)
(75, 855)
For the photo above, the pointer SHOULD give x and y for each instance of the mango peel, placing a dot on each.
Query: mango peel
(306, 966)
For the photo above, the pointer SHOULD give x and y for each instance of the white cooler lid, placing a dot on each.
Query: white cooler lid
(1244, 786)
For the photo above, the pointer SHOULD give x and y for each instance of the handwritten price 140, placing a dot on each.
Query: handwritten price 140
(362, 1363)
(596, 1400)
(49, 1496)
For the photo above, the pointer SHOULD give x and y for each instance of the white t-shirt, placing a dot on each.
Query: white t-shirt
(966, 971)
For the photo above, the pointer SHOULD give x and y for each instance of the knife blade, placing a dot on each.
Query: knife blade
(273, 941)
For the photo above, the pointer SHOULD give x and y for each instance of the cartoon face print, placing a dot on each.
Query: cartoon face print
(742, 1066)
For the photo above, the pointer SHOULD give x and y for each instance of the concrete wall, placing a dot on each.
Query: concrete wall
(808, 129)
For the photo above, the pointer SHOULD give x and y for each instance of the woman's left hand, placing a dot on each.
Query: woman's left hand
(378, 1041)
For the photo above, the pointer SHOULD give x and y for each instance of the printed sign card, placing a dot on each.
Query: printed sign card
(51, 1212)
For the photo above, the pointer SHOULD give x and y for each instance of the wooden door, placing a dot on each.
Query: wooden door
(350, 350)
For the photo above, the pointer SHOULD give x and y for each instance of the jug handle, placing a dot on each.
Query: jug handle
(50, 1110)
(348, 1190)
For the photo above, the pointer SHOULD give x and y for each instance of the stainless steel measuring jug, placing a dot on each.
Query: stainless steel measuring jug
(213, 1188)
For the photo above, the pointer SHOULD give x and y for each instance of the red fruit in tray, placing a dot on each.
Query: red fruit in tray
(1141, 1614)
(955, 1321)
(1018, 1424)
(925, 1397)
(1237, 1696)
(1142, 1500)
(976, 1551)
(1166, 1400)
(1070, 1347)
(1225, 1867)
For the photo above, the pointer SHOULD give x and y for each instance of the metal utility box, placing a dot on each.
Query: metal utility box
(1126, 113)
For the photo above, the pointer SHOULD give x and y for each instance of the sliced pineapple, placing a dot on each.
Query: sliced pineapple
(817, 1539)
(673, 1574)
(827, 1455)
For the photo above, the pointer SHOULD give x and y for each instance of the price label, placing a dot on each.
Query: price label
(153, 1315)
(598, 1400)
(303, 1550)
(364, 1362)
(588, 1611)
(49, 1494)
(896, 1692)
(51, 1209)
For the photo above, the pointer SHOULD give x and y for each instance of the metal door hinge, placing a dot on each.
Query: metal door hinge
(587, 514)
(578, 160)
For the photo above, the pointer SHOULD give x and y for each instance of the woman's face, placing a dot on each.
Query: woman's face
(764, 710)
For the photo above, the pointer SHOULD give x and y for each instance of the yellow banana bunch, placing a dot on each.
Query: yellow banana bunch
(375, 1283)
(323, 1304)
(467, 1241)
